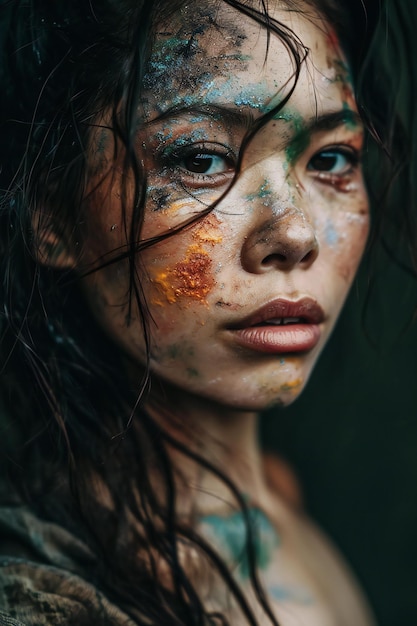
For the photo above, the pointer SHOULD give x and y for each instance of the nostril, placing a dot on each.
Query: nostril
(309, 257)
(280, 244)
(274, 258)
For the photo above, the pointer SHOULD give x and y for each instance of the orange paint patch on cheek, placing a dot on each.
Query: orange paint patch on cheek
(191, 278)
(194, 276)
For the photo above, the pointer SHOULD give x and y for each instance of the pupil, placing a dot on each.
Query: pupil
(200, 163)
(324, 162)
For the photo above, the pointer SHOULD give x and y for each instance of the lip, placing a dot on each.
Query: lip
(255, 333)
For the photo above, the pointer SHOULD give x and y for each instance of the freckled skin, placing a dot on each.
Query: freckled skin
(204, 280)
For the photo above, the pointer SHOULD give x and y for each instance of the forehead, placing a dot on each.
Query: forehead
(214, 54)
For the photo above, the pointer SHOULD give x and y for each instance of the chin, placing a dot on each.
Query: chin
(260, 402)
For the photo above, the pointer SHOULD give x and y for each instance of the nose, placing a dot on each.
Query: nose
(280, 241)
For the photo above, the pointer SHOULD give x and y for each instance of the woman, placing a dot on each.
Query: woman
(183, 215)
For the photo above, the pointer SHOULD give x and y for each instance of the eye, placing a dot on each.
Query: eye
(336, 162)
(205, 163)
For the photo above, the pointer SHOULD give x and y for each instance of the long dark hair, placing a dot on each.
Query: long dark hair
(62, 382)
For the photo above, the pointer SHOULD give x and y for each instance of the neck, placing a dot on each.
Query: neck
(226, 439)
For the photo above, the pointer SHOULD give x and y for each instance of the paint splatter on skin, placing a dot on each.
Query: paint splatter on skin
(293, 385)
(208, 230)
(199, 276)
(190, 278)
(228, 305)
(174, 51)
(194, 275)
(228, 535)
(175, 351)
(295, 595)
(300, 136)
(185, 139)
(298, 145)
(263, 192)
(331, 235)
(163, 281)
(343, 76)
(254, 96)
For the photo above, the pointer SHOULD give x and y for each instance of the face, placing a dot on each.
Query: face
(242, 302)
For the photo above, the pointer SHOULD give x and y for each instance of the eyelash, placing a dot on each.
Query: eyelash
(351, 155)
(175, 161)
(175, 158)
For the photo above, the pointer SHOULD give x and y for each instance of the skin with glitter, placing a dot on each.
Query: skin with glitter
(284, 233)
(300, 191)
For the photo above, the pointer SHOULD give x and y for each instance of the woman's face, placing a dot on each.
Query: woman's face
(242, 302)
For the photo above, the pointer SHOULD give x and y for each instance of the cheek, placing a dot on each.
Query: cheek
(107, 295)
(190, 279)
(346, 237)
(182, 270)
(104, 226)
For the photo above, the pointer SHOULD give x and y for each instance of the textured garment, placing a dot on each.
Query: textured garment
(43, 576)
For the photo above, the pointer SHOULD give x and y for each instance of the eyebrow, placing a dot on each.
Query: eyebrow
(245, 118)
(332, 120)
(215, 112)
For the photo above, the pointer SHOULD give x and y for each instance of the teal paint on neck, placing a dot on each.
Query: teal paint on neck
(295, 595)
(229, 537)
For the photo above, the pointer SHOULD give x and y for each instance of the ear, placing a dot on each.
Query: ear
(51, 246)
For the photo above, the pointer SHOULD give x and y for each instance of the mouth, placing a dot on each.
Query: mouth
(281, 326)
(282, 321)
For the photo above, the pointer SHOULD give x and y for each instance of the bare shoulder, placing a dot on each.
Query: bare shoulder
(324, 561)
(307, 561)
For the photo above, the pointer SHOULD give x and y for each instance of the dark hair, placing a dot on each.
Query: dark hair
(63, 64)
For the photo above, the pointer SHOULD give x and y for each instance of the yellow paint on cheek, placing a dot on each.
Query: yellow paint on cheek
(175, 208)
(208, 231)
(163, 281)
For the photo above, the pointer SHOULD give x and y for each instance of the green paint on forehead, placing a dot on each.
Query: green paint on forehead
(301, 135)
(344, 73)
(299, 143)
(351, 118)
